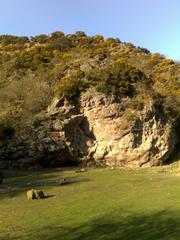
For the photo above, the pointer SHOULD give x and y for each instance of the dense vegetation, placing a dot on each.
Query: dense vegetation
(33, 70)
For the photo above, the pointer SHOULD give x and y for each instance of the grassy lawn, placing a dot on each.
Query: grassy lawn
(98, 204)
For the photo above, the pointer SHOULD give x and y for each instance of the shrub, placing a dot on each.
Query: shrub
(158, 101)
(117, 78)
(58, 41)
(6, 130)
(42, 39)
(31, 93)
(138, 105)
(1, 177)
(9, 39)
(68, 87)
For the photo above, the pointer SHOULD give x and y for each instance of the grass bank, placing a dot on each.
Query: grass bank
(98, 204)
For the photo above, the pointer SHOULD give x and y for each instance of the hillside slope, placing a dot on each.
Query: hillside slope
(74, 98)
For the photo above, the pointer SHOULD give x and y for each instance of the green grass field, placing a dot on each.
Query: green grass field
(98, 204)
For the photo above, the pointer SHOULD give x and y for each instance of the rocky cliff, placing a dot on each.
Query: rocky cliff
(91, 129)
(100, 129)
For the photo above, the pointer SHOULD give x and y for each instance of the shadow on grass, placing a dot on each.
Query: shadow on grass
(49, 196)
(163, 225)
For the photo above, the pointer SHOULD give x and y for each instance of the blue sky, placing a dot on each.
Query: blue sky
(154, 24)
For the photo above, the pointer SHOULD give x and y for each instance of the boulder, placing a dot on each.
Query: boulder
(39, 194)
(31, 194)
(35, 194)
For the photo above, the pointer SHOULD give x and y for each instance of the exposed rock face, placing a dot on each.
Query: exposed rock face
(39, 147)
(93, 128)
(99, 128)
(147, 140)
